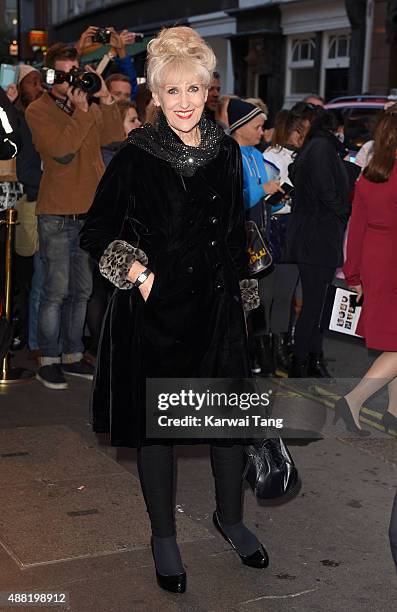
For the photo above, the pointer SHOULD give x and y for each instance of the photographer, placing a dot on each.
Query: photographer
(93, 38)
(68, 132)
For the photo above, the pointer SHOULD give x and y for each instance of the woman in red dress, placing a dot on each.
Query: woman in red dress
(371, 271)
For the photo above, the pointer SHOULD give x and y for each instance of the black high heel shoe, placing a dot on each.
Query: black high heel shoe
(175, 583)
(389, 421)
(258, 559)
(342, 411)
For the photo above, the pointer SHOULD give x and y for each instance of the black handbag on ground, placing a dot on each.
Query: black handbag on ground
(270, 470)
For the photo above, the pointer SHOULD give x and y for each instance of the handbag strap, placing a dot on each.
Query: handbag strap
(264, 216)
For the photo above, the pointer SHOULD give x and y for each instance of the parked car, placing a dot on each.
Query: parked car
(360, 114)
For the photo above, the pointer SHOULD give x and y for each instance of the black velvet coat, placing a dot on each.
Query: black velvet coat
(192, 325)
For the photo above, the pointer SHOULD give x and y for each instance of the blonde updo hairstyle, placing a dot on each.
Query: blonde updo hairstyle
(178, 49)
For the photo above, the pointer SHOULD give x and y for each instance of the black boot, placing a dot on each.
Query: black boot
(280, 352)
(264, 352)
(298, 368)
(316, 366)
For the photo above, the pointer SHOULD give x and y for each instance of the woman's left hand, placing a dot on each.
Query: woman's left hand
(357, 289)
(103, 94)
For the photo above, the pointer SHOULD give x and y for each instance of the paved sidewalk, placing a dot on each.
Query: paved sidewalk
(73, 519)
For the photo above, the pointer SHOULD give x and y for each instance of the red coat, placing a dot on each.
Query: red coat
(372, 259)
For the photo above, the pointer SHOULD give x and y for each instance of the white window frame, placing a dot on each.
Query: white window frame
(335, 62)
(291, 65)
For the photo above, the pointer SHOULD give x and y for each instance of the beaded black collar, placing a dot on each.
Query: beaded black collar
(161, 141)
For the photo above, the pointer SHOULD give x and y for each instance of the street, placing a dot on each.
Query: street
(74, 521)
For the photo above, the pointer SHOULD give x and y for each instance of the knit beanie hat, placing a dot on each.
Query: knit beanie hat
(240, 112)
(24, 70)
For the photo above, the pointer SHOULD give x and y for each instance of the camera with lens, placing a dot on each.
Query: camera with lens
(89, 82)
(102, 36)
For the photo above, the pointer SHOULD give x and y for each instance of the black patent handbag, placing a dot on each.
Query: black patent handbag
(270, 470)
(260, 258)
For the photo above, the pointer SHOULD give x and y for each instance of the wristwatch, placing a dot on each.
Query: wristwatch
(142, 277)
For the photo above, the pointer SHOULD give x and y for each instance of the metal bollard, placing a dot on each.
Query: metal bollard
(10, 375)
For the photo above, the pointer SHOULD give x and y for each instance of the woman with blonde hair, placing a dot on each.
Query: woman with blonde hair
(167, 227)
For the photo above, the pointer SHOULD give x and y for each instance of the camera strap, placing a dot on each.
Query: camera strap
(62, 104)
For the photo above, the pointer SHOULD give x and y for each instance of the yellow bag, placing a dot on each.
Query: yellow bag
(26, 235)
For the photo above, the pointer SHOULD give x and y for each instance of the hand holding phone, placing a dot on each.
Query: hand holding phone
(275, 198)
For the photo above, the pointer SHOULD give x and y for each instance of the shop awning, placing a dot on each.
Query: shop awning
(134, 49)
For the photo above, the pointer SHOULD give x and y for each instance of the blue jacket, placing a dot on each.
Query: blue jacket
(256, 172)
(126, 66)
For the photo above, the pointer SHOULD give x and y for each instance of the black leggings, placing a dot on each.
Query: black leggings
(308, 335)
(156, 473)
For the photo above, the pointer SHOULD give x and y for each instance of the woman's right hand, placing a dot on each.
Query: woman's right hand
(272, 187)
(12, 92)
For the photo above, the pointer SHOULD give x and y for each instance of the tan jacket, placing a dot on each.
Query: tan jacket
(69, 146)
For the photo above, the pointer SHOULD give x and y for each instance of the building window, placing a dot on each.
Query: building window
(335, 64)
(303, 81)
(303, 49)
(338, 46)
(302, 78)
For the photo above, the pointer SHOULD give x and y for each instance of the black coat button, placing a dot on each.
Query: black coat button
(214, 197)
(218, 287)
(217, 265)
(213, 243)
(190, 269)
(214, 220)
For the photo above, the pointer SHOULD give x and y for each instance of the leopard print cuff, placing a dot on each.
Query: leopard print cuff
(249, 294)
(117, 260)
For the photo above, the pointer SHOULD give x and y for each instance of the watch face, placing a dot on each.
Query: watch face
(141, 278)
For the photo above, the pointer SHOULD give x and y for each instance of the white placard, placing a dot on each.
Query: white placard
(344, 318)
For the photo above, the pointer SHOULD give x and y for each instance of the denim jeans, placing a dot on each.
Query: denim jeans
(66, 289)
(34, 300)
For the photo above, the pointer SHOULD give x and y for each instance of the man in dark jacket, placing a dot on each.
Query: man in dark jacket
(315, 234)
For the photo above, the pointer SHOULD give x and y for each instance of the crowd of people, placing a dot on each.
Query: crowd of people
(59, 311)
(69, 137)
(167, 221)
